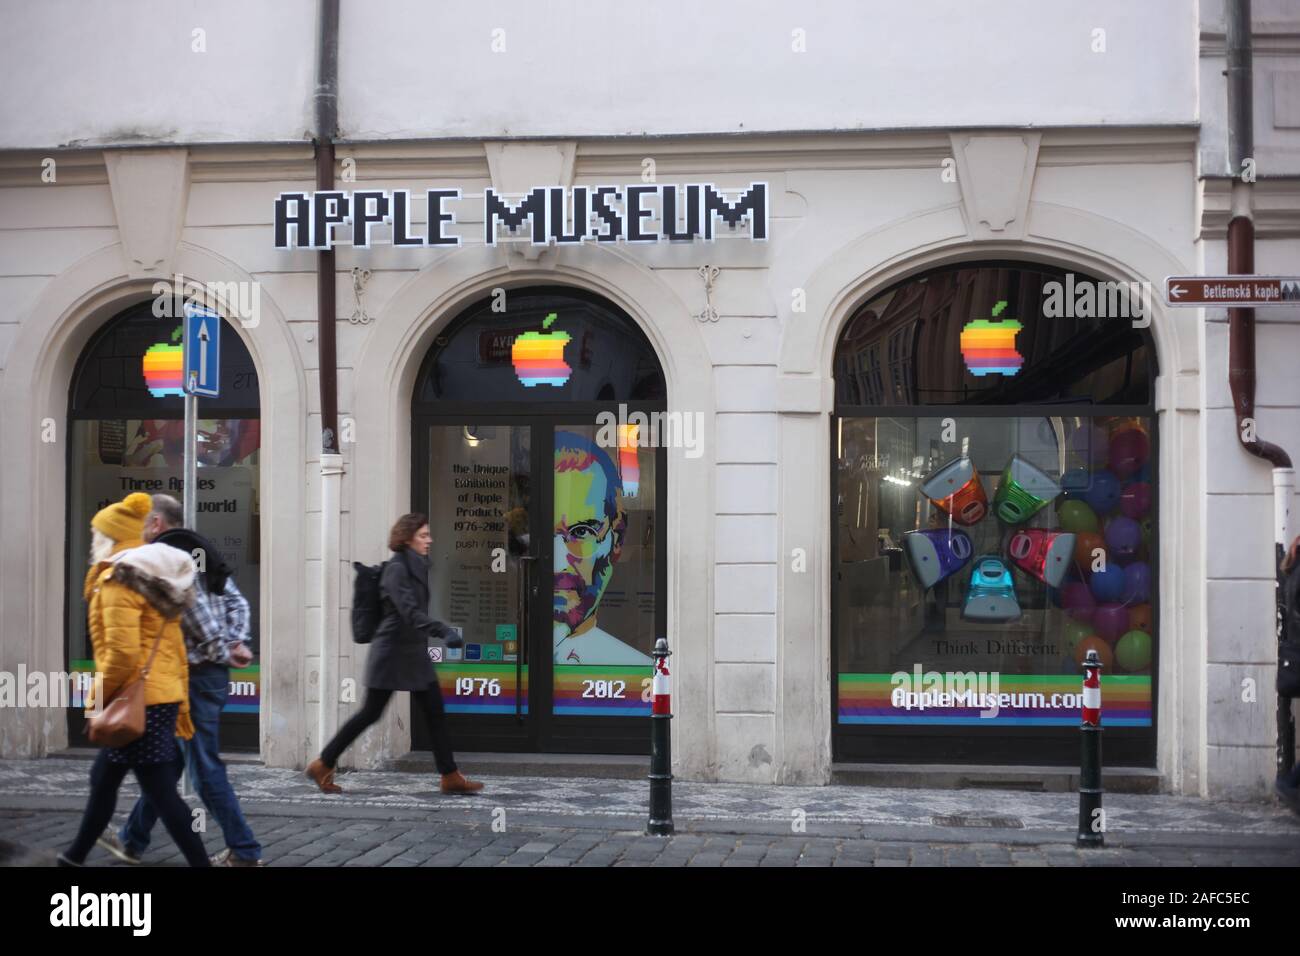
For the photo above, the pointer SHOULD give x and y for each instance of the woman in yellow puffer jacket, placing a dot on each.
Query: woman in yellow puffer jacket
(135, 593)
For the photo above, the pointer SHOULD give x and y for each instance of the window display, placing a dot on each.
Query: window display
(1059, 565)
(128, 434)
(994, 508)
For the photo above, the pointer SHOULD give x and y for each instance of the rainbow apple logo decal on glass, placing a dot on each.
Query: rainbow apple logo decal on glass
(538, 357)
(162, 367)
(628, 466)
(990, 347)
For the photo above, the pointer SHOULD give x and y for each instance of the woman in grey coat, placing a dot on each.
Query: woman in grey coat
(399, 658)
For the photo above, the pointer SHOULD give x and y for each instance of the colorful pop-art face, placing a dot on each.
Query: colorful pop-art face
(162, 366)
(538, 357)
(589, 528)
(989, 347)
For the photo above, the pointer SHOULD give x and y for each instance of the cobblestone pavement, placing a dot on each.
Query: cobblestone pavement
(398, 819)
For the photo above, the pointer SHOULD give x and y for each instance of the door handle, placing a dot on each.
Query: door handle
(522, 651)
(532, 581)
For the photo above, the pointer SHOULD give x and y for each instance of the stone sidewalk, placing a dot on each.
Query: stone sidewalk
(399, 819)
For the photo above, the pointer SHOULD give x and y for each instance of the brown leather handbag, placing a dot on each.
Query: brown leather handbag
(122, 720)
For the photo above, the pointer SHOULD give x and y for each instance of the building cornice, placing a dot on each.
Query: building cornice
(619, 157)
(1275, 208)
(1282, 41)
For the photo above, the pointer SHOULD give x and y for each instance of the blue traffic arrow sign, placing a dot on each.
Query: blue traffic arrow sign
(202, 351)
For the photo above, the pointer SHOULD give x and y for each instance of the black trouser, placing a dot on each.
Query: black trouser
(428, 702)
(158, 783)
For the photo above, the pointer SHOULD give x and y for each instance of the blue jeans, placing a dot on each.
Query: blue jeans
(209, 686)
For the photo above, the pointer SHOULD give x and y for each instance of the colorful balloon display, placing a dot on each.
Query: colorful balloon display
(1086, 546)
(1123, 537)
(1137, 584)
(1135, 500)
(1094, 643)
(1077, 517)
(1103, 494)
(1107, 585)
(1109, 621)
(1133, 651)
(1078, 601)
(1129, 449)
(1072, 632)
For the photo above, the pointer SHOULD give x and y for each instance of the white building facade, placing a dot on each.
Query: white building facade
(814, 359)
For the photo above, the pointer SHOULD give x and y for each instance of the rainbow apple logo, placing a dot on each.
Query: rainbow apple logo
(990, 347)
(162, 366)
(628, 467)
(538, 357)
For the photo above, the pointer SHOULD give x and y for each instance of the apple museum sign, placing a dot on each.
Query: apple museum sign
(645, 212)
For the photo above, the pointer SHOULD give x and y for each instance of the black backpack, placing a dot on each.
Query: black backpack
(367, 602)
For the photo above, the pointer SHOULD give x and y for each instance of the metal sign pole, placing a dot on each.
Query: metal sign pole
(190, 487)
(190, 504)
(202, 363)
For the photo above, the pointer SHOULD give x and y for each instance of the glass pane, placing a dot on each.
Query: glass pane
(114, 457)
(997, 335)
(981, 558)
(544, 347)
(478, 486)
(603, 608)
(134, 368)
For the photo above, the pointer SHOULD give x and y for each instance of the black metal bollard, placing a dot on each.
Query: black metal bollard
(661, 755)
(1090, 832)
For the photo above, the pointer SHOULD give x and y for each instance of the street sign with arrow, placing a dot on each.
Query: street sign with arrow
(202, 351)
(1241, 291)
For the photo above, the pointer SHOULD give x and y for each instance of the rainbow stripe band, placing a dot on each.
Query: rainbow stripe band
(602, 691)
(1126, 702)
(163, 369)
(989, 347)
(478, 697)
(538, 358)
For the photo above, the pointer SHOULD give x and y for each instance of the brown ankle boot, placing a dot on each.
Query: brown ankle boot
(324, 776)
(455, 782)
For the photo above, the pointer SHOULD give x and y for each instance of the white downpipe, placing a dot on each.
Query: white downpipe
(1283, 489)
(331, 481)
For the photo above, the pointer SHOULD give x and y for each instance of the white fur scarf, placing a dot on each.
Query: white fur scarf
(162, 574)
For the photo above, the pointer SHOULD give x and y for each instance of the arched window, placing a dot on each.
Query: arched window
(127, 431)
(994, 516)
(1065, 338)
(583, 350)
(538, 444)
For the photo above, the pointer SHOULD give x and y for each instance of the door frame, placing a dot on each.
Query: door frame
(541, 731)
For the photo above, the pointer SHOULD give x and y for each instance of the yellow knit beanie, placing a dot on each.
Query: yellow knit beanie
(124, 520)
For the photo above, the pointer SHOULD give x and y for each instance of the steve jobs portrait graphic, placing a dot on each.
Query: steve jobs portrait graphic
(589, 530)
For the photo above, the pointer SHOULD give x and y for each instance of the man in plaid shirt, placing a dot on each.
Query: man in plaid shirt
(216, 637)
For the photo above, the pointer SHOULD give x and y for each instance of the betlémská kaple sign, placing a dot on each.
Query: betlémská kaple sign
(646, 212)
